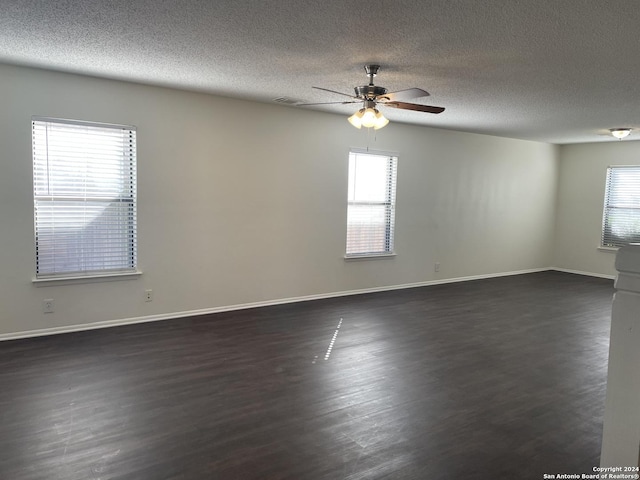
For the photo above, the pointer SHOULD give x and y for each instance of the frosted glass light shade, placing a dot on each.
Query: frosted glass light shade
(356, 118)
(369, 117)
(381, 121)
(620, 133)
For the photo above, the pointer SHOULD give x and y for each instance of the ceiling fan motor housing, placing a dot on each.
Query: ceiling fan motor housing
(369, 92)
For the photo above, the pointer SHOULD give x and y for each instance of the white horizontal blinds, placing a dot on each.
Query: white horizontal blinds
(371, 204)
(84, 178)
(621, 219)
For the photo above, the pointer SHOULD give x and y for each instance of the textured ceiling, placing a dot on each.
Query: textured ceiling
(558, 71)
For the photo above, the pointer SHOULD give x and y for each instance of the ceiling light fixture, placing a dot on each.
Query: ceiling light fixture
(368, 116)
(620, 133)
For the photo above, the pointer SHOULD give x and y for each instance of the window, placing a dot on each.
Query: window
(371, 204)
(84, 195)
(621, 219)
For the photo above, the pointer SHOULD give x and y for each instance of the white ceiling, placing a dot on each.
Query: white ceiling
(558, 71)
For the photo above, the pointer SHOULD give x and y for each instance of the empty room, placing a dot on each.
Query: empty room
(319, 240)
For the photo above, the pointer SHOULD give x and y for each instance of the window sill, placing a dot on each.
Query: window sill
(371, 256)
(71, 280)
(608, 249)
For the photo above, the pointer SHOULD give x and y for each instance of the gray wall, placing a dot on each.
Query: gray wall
(583, 171)
(245, 203)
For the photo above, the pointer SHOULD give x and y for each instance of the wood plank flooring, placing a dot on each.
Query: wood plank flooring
(490, 379)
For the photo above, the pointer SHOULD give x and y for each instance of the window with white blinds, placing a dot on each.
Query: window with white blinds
(84, 184)
(621, 219)
(371, 204)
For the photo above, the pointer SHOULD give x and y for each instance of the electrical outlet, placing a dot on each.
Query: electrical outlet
(436, 267)
(47, 305)
(148, 295)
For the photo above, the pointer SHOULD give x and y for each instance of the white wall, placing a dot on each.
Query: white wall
(583, 171)
(242, 202)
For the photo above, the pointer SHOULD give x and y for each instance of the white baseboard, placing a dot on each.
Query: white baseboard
(282, 301)
(588, 274)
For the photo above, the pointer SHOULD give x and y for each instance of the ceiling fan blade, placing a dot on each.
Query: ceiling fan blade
(407, 94)
(333, 91)
(328, 103)
(413, 106)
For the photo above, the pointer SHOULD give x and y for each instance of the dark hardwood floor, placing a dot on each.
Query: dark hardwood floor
(491, 379)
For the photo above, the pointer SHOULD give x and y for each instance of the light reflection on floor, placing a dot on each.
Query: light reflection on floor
(333, 341)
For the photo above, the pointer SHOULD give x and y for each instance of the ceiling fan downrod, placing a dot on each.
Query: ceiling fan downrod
(372, 71)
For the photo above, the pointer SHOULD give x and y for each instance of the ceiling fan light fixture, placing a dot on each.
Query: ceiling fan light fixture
(368, 117)
(620, 133)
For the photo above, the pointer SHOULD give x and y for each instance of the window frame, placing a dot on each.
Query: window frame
(607, 238)
(389, 203)
(126, 200)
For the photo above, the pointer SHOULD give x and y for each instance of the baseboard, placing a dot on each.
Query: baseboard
(230, 308)
(588, 274)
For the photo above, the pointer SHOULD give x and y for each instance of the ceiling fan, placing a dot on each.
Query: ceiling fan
(372, 95)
